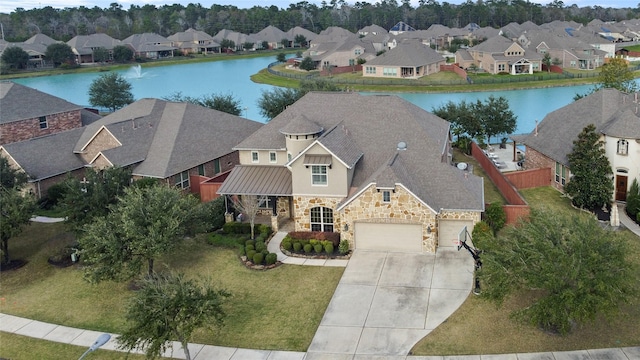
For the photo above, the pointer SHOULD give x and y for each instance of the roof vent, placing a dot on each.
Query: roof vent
(402, 145)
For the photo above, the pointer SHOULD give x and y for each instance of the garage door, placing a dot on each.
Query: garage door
(449, 230)
(388, 237)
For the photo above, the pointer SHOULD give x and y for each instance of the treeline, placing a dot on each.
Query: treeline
(64, 24)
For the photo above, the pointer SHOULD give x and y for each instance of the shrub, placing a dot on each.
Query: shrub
(261, 237)
(481, 235)
(495, 217)
(329, 248)
(264, 229)
(313, 242)
(260, 246)
(250, 254)
(55, 193)
(250, 247)
(297, 246)
(287, 245)
(308, 248)
(250, 242)
(343, 248)
(334, 237)
(258, 258)
(318, 248)
(271, 258)
(633, 199)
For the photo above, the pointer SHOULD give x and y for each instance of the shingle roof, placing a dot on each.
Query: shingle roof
(271, 34)
(19, 102)
(301, 125)
(148, 42)
(375, 125)
(84, 44)
(408, 53)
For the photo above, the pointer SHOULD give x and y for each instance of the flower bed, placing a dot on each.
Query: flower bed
(315, 244)
(253, 253)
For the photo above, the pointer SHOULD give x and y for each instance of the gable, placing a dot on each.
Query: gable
(514, 50)
(102, 140)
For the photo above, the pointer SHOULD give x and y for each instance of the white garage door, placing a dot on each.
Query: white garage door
(388, 237)
(449, 230)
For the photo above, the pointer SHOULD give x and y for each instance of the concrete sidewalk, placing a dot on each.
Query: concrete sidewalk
(626, 220)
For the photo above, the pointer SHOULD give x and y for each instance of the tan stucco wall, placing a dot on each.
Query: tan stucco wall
(263, 157)
(337, 177)
(403, 208)
(296, 143)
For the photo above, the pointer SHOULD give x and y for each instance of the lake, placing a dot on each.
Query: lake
(233, 77)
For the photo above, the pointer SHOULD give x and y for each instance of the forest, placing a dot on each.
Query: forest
(119, 23)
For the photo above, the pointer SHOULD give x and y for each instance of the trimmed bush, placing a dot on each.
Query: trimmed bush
(258, 258)
(260, 246)
(250, 247)
(236, 228)
(334, 237)
(297, 246)
(343, 248)
(250, 254)
(328, 248)
(271, 258)
(250, 242)
(264, 229)
(318, 248)
(495, 217)
(313, 242)
(308, 248)
(287, 245)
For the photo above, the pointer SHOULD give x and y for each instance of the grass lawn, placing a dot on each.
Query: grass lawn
(276, 309)
(479, 327)
(491, 193)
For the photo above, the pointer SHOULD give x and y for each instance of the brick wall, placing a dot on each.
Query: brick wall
(30, 128)
(536, 160)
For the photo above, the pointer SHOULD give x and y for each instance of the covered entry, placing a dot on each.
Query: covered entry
(448, 231)
(388, 237)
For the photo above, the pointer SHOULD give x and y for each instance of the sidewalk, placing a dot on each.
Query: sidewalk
(626, 220)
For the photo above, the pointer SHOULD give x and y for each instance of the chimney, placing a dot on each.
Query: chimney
(536, 131)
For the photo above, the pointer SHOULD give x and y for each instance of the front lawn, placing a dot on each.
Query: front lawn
(275, 309)
(479, 327)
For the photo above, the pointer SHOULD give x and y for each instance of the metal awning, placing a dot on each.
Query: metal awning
(317, 160)
(257, 180)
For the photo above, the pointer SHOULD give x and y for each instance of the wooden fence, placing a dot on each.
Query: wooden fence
(530, 178)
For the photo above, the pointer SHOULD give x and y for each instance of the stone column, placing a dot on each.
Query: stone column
(274, 223)
(228, 217)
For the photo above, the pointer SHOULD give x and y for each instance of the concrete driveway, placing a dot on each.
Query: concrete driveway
(386, 302)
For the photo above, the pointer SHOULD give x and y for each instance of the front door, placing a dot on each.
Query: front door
(621, 188)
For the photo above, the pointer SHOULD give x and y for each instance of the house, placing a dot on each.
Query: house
(616, 117)
(193, 41)
(238, 39)
(272, 36)
(299, 31)
(410, 59)
(501, 55)
(569, 52)
(150, 46)
(35, 46)
(83, 46)
(376, 169)
(345, 51)
(27, 113)
(172, 141)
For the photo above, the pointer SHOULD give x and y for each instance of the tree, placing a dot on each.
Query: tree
(122, 53)
(170, 307)
(281, 57)
(284, 42)
(273, 102)
(59, 53)
(100, 54)
(227, 45)
(301, 40)
(463, 119)
(142, 225)
(590, 184)
(16, 208)
(111, 91)
(82, 201)
(15, 56)
(265, 45)
(546, 60)
(495, 116)
(616, 74)
(633, 200)
(247, 45)
(571, 268)
(225, 103)
(248, 206)
(307, 64)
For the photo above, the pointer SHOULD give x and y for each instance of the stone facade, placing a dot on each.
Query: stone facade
(537, 160)
(302, 210)
(30, 128)
(403, 208)
(102, 141)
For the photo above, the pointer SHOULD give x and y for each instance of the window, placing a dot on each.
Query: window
(254, 156)
(352, 62)
(386, 196)
(43, 122)
(321, 219)
(623, 147)
(358, 51)
(182, 180)
(370, 69)
(264, 202)
(561, 176)
(319, 174)
(288, 157)
(216, 166)
(272, 156)
(500, 67)
(201, 170)
(389, 71)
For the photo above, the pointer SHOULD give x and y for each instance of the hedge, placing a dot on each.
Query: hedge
(334, 237)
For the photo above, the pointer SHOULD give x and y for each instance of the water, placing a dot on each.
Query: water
(232, 77)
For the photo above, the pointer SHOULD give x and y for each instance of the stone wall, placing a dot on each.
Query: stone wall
(302, 211)
(30, 128)
(403, 208)
(537, 160)
(102, 141)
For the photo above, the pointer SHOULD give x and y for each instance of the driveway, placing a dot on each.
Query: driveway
(385, 302)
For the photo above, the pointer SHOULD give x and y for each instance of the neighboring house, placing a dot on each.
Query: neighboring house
(410, 59)
(150, 46)
(400, 28)
(308, 35)
(344, 52)
(194, 41)
(273, 36)
(616, 117)
(373, 30)
(239, 39)
(83, 46)
(171, 141)
(376, 169)
(35, 46)
(27, 113)
(570, 52)
(501, 55)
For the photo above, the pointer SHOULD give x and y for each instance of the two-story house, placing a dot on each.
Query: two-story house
(376, 169)
(193, 41)
(500, 55)
(617, 119)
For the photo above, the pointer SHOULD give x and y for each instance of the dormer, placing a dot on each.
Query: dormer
(299, 134)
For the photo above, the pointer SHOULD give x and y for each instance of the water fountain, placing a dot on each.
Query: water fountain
(136, 71)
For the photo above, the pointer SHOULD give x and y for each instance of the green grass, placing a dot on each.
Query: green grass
(275, 309)
(491, 192)
(16, 347)
(479, 327)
